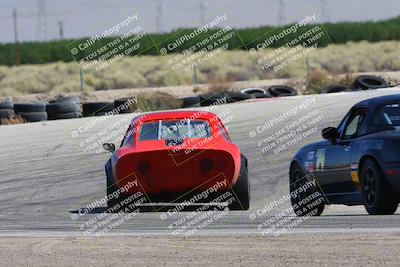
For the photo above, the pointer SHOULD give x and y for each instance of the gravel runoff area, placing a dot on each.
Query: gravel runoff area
(300, 250)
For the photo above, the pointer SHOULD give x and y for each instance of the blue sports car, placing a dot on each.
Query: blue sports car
(358, 163)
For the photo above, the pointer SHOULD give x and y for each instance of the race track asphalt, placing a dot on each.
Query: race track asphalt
(46, 176)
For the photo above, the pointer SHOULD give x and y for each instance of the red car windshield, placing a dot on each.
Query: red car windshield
(174, 129)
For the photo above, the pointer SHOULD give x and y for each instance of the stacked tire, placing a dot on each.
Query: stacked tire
(31, 112)
(190, 101)
(209, 99)
(272, 91)
(335, 88)
(365, 82)
(123, 105)
(6, 109)
(281, 91)
(256, 92)
(65, 108)
(362, 82)
(97, 108)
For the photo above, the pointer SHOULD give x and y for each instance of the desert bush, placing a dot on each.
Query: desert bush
(15, 120)
(228, 66)
(155, 101)
(347, 80)
(319, 79)
(220, 87)
(316, 81)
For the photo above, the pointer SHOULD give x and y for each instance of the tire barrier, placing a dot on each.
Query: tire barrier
(69, 115)
(335, 88)
(261, 95)
(7, 104)
(58, 110)
(29, 107)
(7, 109)
(60, 107)
(222, 98)
(6, 113)
(366, 82)
(34, 116)
(190, 101)
(235, 97)
(122, 105)
(253, 90)
(281, 91)
(31, 112)
(68, 107)
(74, 99)
(97, 108)
(209, 99)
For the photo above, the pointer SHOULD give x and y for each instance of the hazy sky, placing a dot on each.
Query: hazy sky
(39, 19)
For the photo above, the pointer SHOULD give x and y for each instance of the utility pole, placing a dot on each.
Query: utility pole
(61, 29)
(281, 13)
(324, 11)
(203, 12)
(16, 44)
(160, 16)
(41, 30)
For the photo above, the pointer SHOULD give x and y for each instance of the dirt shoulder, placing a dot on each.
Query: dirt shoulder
(300, 249)
(180, 91)
(108, 95)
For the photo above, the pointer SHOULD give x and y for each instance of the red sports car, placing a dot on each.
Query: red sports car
(175, 157)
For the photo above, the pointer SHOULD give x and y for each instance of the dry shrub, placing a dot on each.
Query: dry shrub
(14, 120)
(316, 81)
(392, 81)
(221, 86)
(196, 89)
(299, 84)
(143, 71)
(156, 101)
(319, 79)
(347, 80)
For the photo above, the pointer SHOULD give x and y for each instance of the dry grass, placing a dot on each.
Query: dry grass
(155, 101)
(220, 87)
(14, 120)
(150, 71)
(319, 79)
